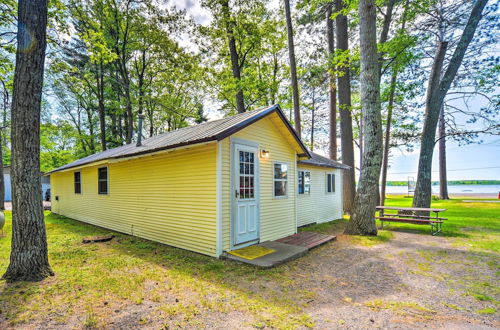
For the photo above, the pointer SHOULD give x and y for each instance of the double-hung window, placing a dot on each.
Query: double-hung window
(280, 180)
(304, 182)
(78, 182)
(330, 183)
(102, 173)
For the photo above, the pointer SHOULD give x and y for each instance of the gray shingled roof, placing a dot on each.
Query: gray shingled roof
(318, 160)
(210, 131)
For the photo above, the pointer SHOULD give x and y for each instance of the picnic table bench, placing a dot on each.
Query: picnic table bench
(414, 215)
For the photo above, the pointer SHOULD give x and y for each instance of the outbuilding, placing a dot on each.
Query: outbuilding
(209, 188)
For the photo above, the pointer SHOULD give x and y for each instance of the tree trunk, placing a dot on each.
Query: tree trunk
(235, 61)
(332, 85)
(434, 102)
(361, 143)
(344, 93)
(392, 93)
(385, 30)
(443, 180)
(130, 115)
(102, 111)
(362, 220)
(2, 143)
(293, 68)
(29, 256)
(387, 138)
(312, 119)
(2, 181)
(422, 195)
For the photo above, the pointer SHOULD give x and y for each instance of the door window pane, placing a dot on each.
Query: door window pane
(246, 187)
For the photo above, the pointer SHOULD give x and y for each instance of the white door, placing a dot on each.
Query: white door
(246, 194)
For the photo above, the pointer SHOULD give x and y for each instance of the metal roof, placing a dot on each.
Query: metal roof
(215, 130)
(318, 160)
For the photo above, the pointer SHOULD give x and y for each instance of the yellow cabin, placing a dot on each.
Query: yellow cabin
(209, 188)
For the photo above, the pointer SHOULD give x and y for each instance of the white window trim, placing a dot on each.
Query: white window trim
(333, 186)
(298, 175)
(107, 181)
(287, 179)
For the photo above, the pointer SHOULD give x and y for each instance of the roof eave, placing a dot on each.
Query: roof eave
(230, 131)
(339, 166)
(275, 108)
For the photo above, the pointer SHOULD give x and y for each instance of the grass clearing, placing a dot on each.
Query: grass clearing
(96, 282)
(400, 307)
(472, 225)
(487, 310)
(95, 279)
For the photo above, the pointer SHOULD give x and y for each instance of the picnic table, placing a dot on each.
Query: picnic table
(414, 215)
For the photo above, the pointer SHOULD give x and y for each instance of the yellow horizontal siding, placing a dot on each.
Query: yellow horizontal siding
(277, 215)
(168, 197)
(319, 206)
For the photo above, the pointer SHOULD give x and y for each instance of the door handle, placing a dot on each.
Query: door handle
(236, 193)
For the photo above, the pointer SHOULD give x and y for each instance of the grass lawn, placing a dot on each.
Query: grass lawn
(131, 282)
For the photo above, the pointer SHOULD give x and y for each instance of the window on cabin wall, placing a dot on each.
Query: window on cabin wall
(280, 180)
(304, 182)
(330, 183)
(78, 182)
(102, 180)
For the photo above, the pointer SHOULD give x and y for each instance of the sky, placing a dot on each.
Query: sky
(480, 161)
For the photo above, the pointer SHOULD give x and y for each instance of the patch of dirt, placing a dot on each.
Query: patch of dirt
(411, 281)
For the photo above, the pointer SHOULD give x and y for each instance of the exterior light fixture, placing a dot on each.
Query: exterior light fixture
(264, 153)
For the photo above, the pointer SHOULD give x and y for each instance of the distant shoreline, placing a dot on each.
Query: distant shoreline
(462, 194)
(451, 183)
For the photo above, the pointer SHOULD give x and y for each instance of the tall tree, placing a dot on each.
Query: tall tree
(344, 97)
(392, 88)
(5, 105)
(29, 255)
(436, 93)
(293, 68)
(332, 90)
(233, 51)
(362, 220)
(443, 180)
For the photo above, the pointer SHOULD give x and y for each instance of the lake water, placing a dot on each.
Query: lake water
(452, 189)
